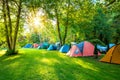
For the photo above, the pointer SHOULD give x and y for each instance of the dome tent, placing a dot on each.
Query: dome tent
(82, 49)
(52, 47)
(43, 45)
(64, 49)
(28, 46)
(35, 45)
(113, 55)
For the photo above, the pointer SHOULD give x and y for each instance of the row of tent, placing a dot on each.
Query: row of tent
(44, 45)
(82, 49)
(87, 49)
(65, 47)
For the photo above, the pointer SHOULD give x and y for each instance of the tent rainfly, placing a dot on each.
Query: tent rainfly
(64, 49)
(113, 55)
(82, 49)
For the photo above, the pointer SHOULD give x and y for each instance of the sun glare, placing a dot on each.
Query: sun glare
(36, 22)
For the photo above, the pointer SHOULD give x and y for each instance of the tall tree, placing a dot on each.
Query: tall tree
(101, 28)
(116, 26)
(11, 29)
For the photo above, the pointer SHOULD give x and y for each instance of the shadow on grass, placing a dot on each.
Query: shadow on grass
(32, 64)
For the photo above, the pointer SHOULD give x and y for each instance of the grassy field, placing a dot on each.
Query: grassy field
(33, 64)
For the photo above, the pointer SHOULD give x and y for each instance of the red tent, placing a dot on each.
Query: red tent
(35, 45)
(82, 49)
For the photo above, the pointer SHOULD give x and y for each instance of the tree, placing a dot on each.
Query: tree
(115, 25)
(101, 28)
(11, 29)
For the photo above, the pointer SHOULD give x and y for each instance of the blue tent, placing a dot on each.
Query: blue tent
(111, 45)
(65, 48)
(102, 48)
(43, 45)
(28, 46)
(57, 44)
(80, 46)
(52, 47)
(39, 47)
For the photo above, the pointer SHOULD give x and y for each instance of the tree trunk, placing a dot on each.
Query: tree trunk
(17, 24)
(9, 23)
(75, 38)
(5, 23)
(66, 27)
(101, 37)
(58, 27)
(107, 43)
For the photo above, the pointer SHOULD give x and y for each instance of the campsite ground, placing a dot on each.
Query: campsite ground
(33, 64)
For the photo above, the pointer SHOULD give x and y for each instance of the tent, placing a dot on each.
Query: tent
(57, 44)
(35, 45)
(113, 55)
(111, 45)
(28, 46)
(82, 49)
(39, 46)
(43, 45)
(52, 47)
(64, 49)
(73, 43)
(102, 48)
(105, 48)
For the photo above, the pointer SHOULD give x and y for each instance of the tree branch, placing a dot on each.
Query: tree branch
(5, 22)
(17, 23)
(111, 2)
(9, 21)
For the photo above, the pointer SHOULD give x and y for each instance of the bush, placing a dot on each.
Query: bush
(97, 41)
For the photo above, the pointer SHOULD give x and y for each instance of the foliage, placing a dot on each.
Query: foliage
(113, 10)
(35, 38)
(101, 29)
(63, 21)
(2, 32)
(75, 20)
(22, 41)
(116, 27)
(97, 41)
(113, 5)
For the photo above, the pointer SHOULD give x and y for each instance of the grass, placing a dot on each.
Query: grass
(33, 64)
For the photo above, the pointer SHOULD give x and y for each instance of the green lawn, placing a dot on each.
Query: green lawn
(33, 64)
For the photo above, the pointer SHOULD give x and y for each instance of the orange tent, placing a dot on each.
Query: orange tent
(113, 55)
